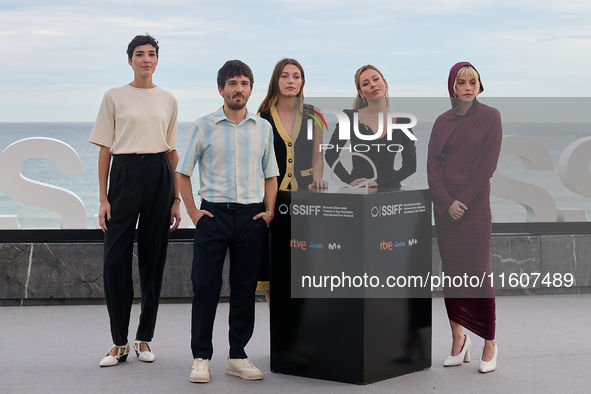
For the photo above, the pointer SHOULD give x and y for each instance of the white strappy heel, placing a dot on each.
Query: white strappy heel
(145, 356)
(122, 352)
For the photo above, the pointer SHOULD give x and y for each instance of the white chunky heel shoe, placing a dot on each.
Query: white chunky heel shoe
(463, 356)
(122, 352)
(146, 356)
(488, 366)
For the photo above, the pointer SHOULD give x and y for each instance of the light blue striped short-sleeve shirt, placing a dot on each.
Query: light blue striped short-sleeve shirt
(233, 159)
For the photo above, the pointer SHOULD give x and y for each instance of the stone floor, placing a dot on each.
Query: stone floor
(544, 347)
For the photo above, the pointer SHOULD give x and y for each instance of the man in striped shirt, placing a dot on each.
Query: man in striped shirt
(238, 186)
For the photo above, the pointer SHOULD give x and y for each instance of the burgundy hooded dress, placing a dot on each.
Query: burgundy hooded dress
(463, 154)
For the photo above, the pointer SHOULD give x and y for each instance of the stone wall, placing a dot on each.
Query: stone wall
(30, 272)
(522, 257)
(34, 273)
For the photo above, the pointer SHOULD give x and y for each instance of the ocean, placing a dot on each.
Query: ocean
(554, 137)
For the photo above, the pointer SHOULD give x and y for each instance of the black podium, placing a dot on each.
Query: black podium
(347, 303)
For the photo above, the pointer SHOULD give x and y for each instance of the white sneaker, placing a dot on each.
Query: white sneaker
(242, 367)
(200, 372)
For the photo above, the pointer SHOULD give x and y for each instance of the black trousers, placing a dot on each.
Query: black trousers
(231, 228)
(140, 186)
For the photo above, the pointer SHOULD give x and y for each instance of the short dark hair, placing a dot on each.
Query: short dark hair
(141, 40)
(234, 68)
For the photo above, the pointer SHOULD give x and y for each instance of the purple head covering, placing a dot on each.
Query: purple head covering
(452, 77)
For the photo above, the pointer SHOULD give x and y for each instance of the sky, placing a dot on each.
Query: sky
(58, 58)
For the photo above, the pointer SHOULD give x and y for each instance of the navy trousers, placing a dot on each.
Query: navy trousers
(140, 186)
(231, 227)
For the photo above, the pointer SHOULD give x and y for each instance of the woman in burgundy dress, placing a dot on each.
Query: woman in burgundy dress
(463, 153)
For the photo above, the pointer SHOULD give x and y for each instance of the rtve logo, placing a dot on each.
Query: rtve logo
(386, 210)
(386, 245)
(389, 245)
(294, 243)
